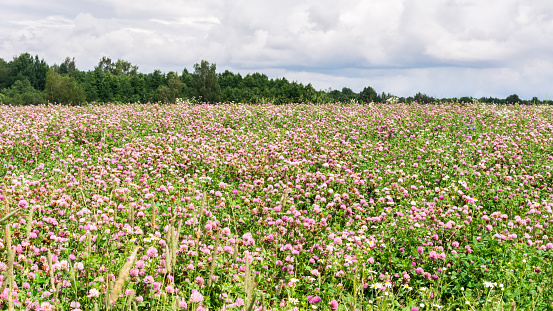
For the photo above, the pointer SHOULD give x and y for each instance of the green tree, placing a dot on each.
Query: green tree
(106, 65)
(21, 93)
(153, 82)
(511, 99)
(205, 82)
(123, 67)
(67, 66)
(63, 89)
(124, 90)
(368, 95)
(5, 73)
(423, 98)
(139, 86)
(120, 67)
(169, 93)
(188, 79)
(349, 94)
(31, 68)
(337, 96)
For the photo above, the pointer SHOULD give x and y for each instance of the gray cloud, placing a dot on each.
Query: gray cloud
(440, 47)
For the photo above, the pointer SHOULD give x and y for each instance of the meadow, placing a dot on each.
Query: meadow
(276, 207)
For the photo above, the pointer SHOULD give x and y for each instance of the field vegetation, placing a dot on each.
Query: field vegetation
(276, 207)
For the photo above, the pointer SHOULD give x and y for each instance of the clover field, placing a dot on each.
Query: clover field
(276, 207)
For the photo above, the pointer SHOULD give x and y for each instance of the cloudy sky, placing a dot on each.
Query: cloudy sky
(444, 48)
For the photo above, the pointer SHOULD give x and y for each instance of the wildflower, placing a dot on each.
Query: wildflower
(149, 279)
(93, 293)
(196, 296)
(333, 304)
(377, 285)
(23, 204)
(314, 300)
(151, 252)
(183, 304)
(294, 301)
(75, 304)
(488, 284)
(433, 255)
(199, 280)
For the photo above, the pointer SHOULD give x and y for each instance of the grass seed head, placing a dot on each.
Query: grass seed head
(123, 274)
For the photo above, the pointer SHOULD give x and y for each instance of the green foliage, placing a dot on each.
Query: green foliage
(22, 93)
(368, 95)
(205, 82)
(5, 73)
(120, 81)
(27, 67)
(68, 66)
(63, 89)
(423, 98)
(120, 67)
(512, 99)
(169, 93)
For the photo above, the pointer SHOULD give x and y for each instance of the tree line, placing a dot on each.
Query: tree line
(28, 80)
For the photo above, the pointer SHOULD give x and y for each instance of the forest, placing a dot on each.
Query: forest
(29, 80)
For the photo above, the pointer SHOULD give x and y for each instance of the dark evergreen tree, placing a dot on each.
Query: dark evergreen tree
(512, 99)
(368, 95)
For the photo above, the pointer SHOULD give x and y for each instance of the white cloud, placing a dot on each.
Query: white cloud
(439, 47)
